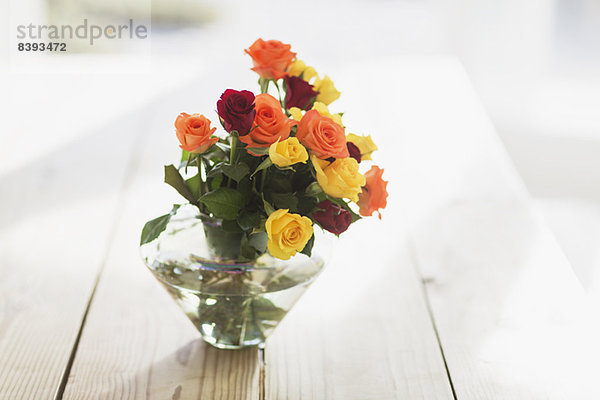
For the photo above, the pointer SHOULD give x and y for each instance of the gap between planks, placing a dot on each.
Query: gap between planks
(132, 166)
(261, 372)
(423, 281)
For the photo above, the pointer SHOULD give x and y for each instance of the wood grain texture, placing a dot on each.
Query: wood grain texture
(137, 344)
(55, 224)
(362, 331)
(511, 315)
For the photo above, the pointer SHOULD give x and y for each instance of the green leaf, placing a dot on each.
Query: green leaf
(245, 188)
(309, 245)
(223, 203)
(230, 226)
(263, 165)
(248, 220)
(268, 207)
(194, 185)
(215, 182)
(235, 171)
(216, 169)
(280, 182)
(259, 241)
(284, 200)
(260, 151)
(174, 178)
(264, 309)
(246, 250)
(185, 155)
(313, 189)
(306, 204)
(355, 216)
(154, 227)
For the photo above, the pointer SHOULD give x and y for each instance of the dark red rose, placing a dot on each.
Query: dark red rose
(332, 217)
(299, 93)
(236, 109)
(354, 151)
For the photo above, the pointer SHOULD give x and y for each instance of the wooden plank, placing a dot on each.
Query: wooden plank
(362, 331)
(55, 223)
(510, 313)
(136, 343)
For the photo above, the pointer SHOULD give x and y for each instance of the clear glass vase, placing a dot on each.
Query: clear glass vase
(233, 305)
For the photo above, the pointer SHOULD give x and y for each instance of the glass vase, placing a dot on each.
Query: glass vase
(232, 304)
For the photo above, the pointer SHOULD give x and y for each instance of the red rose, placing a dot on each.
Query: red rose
(236, 108)
(332, 217)
(354, 151)
(299, 93)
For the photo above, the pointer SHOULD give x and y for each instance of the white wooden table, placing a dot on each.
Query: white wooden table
(460, 292)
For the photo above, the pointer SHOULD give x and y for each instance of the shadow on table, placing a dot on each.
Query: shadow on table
(198, 370)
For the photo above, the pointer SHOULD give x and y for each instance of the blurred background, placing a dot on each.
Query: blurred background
(535, 65)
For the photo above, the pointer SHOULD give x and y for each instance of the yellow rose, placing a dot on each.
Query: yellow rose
(288, 233)
(287, 152)
(321, 108)
(298, 68)
(296, 113)
(327, 91)
(364, 143)
(339, 179)
(324, 111)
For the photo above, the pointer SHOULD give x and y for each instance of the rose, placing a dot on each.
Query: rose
(299, 93)
(364, 143)
(288, 233)
(324, 111)
(339, 179)
(354, 151)
(322, 135)
(296, 113)
(332, 217)
(271, 58)
(236, 108)
(270, 123)
(193, 132)
(374, 195)
(298, 68)
(327, 91)
(287, 152)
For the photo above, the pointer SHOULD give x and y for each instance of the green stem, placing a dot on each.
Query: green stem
(264, 85)
(201, 184)
(233, 150)
(263, 175)
(232, 154)
(279, 94)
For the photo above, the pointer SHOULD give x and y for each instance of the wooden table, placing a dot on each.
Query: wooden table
(459, 292)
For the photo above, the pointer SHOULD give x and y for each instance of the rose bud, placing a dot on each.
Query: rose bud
(299, 93)
(236, 109)
(332, 217)
(354, 151)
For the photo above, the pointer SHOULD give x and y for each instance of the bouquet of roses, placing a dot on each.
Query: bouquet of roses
(283, 165)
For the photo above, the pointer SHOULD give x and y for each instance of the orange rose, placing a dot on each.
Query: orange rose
(374, 194)
(193, 132)
(322, 136)
(270, 123)
(271, 58)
